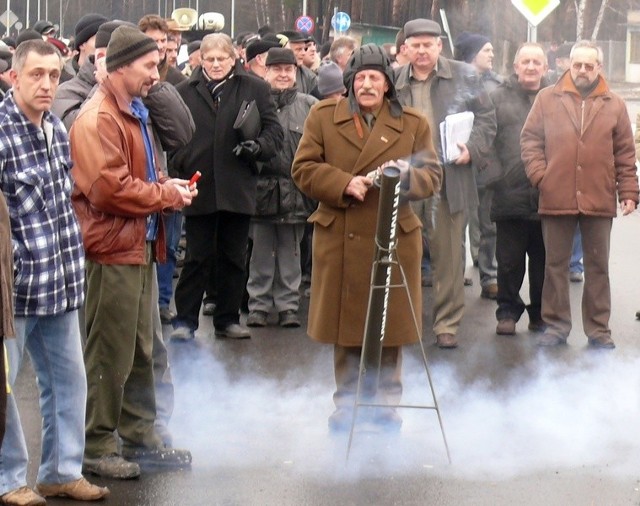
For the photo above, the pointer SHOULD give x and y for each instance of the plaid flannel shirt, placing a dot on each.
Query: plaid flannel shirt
(47, 246)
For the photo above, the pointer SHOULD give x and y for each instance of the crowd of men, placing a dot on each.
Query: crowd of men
(263, 152)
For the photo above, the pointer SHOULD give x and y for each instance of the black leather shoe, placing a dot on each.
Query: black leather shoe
(233, 331)
(289, 319)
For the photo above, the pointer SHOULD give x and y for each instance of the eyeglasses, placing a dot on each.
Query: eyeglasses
(213, 59)
(587, 66)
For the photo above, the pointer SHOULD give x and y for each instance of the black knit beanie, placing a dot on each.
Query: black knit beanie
(127, 45)
(87, 26)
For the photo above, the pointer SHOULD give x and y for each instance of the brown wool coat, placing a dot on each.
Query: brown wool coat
(579, 153)
(330, 153)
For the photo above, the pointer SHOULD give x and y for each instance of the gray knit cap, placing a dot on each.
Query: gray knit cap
(127, 45)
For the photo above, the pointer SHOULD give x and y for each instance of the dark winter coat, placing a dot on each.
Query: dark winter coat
(513, 195)
(228, 183)
(279, 200)
(457, 88)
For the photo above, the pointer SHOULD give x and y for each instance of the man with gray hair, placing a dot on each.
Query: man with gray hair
(578, 150)
(439, 87)
(48, 290)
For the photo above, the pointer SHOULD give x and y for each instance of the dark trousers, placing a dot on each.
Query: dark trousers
(218, 239)
(516, 240)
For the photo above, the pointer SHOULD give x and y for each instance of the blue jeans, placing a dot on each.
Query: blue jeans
(53, 343)
(575, 265)
(173, 229)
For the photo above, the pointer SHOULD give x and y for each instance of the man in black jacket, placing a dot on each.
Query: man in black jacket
(282, 211)
(515, 202)
(217, 226)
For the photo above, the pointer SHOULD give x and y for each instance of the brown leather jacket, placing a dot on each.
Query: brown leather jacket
(111, 195)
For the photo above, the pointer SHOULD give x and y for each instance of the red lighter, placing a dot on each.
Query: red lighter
(195, 178)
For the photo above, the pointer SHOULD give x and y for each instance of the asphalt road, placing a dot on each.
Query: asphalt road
(525, 426)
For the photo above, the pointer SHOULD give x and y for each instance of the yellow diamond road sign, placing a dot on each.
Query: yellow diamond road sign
(8, 18)
(535, 10)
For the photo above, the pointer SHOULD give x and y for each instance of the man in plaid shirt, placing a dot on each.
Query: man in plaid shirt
(49, 267)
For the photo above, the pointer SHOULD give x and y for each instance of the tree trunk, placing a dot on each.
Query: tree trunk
(596, 27)
(580, 8)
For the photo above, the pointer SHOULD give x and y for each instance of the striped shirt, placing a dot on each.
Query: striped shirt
(47, 246)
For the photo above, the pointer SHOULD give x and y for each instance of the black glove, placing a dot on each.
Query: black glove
(249, 150)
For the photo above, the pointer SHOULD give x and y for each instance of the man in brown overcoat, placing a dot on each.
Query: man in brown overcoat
(336, 153)
(577, 147)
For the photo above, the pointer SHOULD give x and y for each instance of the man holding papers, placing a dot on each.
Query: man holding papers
(440, 87)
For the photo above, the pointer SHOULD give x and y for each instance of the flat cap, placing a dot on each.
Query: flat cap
(258, 47)
(422, 26)
(193, 46)
(278, 55)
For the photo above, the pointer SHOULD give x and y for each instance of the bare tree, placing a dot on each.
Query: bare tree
(599, 18)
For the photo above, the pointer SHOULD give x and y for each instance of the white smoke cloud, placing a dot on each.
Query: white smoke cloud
(548, 414)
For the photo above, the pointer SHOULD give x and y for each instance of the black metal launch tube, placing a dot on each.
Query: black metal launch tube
(389, 183)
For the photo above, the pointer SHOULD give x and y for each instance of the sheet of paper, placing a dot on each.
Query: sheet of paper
(454, 129)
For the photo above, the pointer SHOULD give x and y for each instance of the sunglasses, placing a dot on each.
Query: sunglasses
(587, 66)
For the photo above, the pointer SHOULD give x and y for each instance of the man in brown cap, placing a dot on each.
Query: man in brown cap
(119, 196)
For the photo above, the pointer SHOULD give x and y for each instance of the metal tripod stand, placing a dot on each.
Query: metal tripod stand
(385, 260)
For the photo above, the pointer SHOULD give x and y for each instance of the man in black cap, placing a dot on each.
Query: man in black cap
(278, 225)
(439, 87)
(5, 67)
(477, 50)
(119, 198)
(306, 80)
(562, 62)
(344, 145)
(256, 54)
(86, 29)
(193, 51)
(44, 28)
